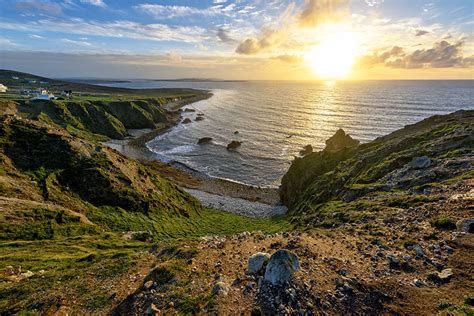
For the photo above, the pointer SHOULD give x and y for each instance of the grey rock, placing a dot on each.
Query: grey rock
(419, 251)
(257, 262)
(220, 288)
(282, 265)
(465, 225)
(420, 162)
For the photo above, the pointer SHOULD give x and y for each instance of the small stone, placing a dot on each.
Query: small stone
(148, 284)
(220, 288)
(419, 251)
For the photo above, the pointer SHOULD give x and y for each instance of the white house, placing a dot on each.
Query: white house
(15, 78)
(3, 88)
(43, 94)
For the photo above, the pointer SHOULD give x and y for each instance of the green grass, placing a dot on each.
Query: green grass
(444, 223)
(71, 260)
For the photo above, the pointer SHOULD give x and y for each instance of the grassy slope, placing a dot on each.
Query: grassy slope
(355, 184)
(65, 204)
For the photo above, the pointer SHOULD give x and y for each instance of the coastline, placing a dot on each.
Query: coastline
(232, 196)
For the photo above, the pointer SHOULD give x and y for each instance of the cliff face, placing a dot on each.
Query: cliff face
(431, 151)
(105, 118)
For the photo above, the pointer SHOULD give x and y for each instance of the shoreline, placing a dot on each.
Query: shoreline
(232, 196)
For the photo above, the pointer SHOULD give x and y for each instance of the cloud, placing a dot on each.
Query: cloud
(223, 36)
(43, 6)
(34, 36)
(320, 11)
(373, 3)
(116, 29)
(97, 3)
(442, 55)
(159, 11)
(174, 56)
(74, 42)
(268, 39)
(421, 32)
(219, 1)
(290, 59)
(310, 15)
(381, 56)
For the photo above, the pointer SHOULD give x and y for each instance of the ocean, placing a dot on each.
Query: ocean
(275, 120)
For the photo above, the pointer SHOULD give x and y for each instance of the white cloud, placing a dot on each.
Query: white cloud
(34, 36)
(117, 29)
(219, 1)
(373, 3)
(97, 3)
(172, 11)
(79, 43)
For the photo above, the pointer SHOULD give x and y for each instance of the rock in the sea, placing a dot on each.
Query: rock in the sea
(199, 118)
(204, 140)
(308, 149)
(236, 132)
(220, 288)
(340, 140)
(281, 266)
(420, 162)
(234, 145)
(465, 225)
(257, 262)
(189, 110)
(186, 121)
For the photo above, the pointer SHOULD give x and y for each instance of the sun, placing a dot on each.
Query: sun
(334, 56)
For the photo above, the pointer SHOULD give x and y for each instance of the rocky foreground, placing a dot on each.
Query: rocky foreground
(378, 228)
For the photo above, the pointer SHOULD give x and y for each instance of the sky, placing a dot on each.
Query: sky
(239, 39)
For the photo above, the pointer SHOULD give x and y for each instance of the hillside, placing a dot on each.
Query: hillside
(55, 85)
(378, 228)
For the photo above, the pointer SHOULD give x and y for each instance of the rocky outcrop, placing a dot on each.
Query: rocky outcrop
(308, 149)
(340, 141)
(186, 121)
(430, 151)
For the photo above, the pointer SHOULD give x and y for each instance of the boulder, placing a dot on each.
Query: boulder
(204, 140)
(420, 162)
(257, 262)
(186, 121)
(234, 145)
(189, 110)
(340, 141)
(465, 225)
(308, 149)
(236, 132)
(199, 118)
(281, 266)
